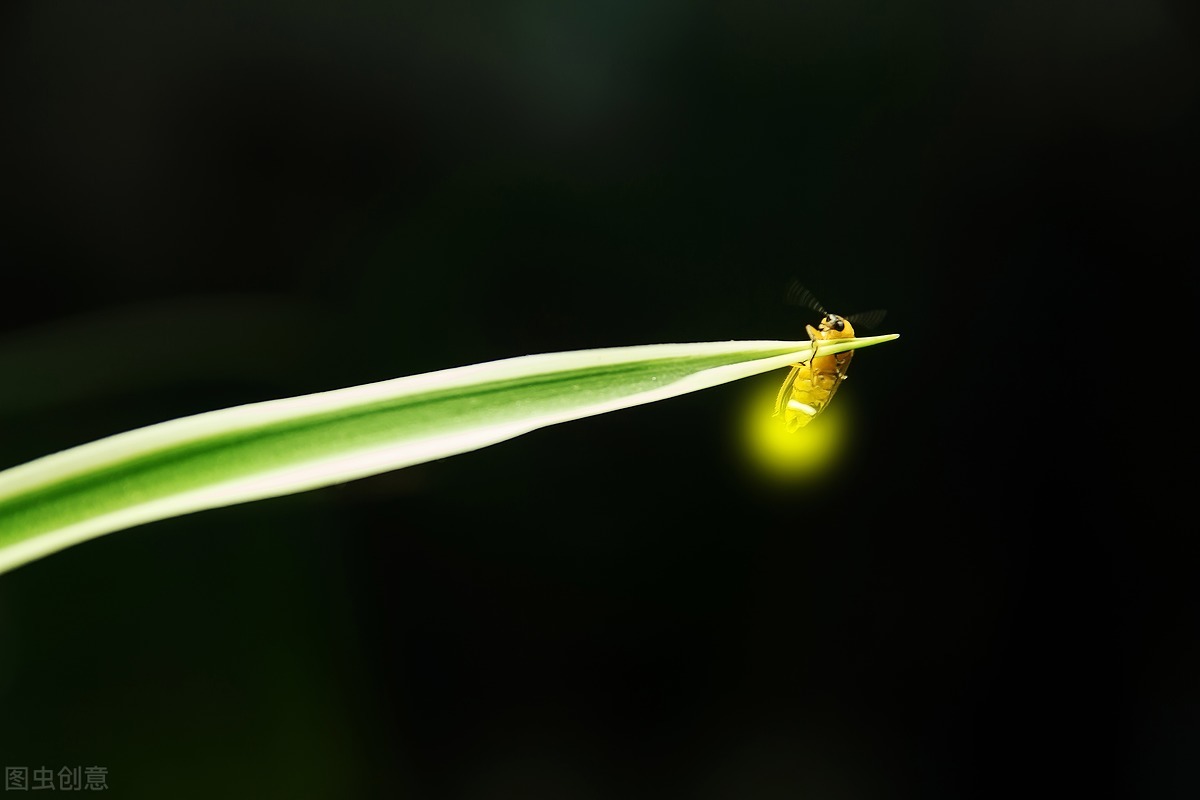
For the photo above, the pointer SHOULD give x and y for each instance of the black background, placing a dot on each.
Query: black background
(992, 595)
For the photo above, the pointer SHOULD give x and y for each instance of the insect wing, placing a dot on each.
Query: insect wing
(868, 319)
(785, 392)
(798, 295)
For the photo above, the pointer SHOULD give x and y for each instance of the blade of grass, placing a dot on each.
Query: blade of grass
(280, 447)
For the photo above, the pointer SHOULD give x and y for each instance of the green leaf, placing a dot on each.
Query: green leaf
(295, 444)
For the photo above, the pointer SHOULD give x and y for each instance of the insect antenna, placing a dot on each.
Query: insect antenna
(798, 295)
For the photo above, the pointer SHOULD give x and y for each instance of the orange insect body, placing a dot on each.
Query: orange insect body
(811, 385)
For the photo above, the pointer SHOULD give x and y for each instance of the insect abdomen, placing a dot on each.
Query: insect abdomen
(813, 387)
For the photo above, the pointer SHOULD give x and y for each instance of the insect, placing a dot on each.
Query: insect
(811, 385)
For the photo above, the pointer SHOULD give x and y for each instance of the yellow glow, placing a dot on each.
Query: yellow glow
(781, 458)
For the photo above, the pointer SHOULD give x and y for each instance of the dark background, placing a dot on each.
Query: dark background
(992, 595)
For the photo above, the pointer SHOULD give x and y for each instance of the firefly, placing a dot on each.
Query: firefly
(811, 385)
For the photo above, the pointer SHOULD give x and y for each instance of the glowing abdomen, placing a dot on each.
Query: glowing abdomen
(814, 386)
